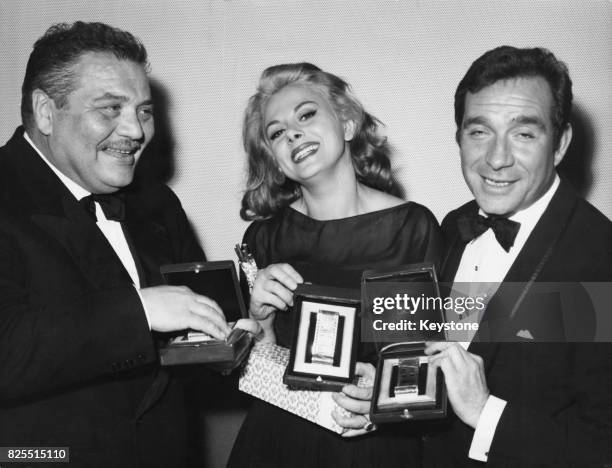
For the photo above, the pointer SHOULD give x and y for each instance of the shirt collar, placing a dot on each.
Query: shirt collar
(76, 190)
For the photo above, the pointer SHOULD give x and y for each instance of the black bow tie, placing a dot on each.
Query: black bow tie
(112, 204)
(505, 230)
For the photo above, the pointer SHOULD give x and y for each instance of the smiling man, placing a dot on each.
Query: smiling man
(80, 251)
(519, 401)
(509, 147)
(531, 389)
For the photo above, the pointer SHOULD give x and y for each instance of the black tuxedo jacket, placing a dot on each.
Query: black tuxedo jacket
(559, 410)
(78, 365)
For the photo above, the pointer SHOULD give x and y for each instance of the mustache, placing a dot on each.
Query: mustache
(125, 145)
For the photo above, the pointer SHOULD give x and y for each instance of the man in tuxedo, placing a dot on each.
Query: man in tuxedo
(80, 251)
(519, 401)
(530, 240)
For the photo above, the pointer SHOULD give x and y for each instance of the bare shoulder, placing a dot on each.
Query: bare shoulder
(375, 200)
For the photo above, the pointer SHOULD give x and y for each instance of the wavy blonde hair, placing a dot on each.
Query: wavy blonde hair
(268, 190)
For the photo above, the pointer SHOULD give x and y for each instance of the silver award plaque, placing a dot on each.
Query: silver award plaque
(407, 377)
(325, 337)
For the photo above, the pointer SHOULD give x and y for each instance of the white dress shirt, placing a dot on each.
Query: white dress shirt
(111, 229)
(485, 261)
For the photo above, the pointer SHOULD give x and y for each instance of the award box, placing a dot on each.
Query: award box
(324, 347)
(405, 388)
(262, 377)
(218, 281)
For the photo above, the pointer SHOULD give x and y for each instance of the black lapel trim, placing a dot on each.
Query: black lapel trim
(456, 246)
(550, 227)
(150, 238)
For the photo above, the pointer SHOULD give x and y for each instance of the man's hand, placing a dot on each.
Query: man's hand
(356, 400)
(172, 308)
(464, 378)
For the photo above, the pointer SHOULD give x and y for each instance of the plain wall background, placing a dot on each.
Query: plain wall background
(403, 58)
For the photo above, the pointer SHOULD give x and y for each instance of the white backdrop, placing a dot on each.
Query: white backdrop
(403, 58)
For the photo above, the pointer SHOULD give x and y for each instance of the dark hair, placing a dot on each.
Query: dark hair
(268, 190)
(508, 62)
(50, 66)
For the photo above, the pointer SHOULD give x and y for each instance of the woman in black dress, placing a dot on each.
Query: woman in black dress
(319, 192)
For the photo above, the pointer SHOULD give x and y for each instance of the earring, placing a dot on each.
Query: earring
(279, 176)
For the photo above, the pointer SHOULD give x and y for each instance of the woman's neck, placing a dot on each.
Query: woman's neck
(334, 197)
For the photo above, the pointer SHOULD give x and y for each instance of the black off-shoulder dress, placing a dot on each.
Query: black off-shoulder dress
(334, 253)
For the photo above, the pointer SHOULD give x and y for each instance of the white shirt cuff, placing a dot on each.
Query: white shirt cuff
(485, 428)
(143, 307)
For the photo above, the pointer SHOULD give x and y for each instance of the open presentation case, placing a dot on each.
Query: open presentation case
(404, 388)
(218, 281)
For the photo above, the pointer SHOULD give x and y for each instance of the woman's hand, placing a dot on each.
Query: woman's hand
(272, 291)
(356, 399)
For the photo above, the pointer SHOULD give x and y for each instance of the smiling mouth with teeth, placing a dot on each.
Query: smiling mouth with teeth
(496, 183)
(120, 152)
(303, 151)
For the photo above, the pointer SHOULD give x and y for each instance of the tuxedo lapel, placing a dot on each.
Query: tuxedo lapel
(150, 240)
(451, 262)
(456, 246)
(547, 231)
(85, 243)
(151, 247)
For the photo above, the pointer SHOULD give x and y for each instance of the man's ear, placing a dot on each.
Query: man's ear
(350, 126)
(564, 142)
(43, 109)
